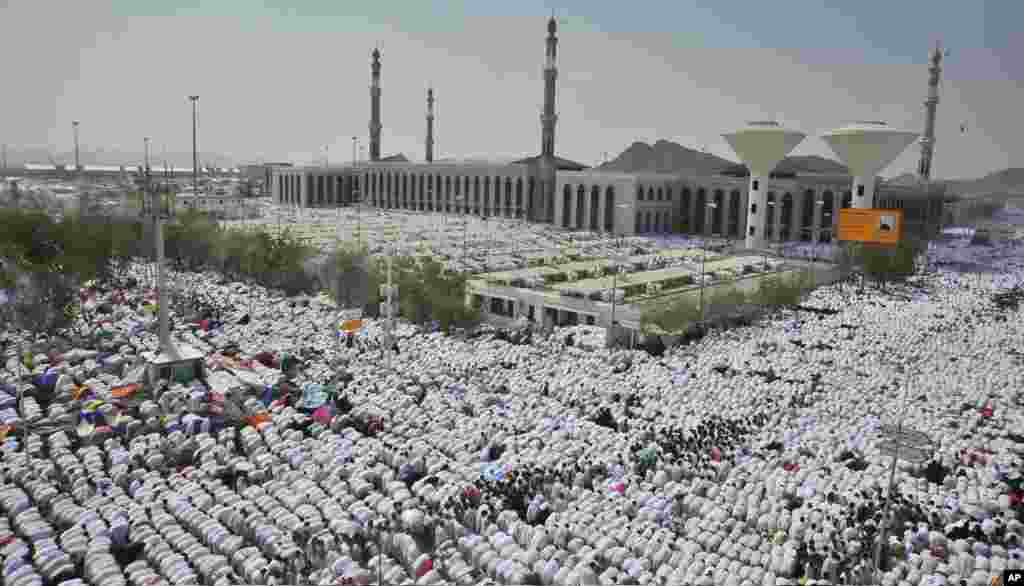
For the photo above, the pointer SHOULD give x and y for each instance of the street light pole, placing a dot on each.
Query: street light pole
(703, 258)
(195, 153)
(617, 258)
(74, 129)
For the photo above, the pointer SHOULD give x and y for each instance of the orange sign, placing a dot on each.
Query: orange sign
(351, 325)
(871, 225)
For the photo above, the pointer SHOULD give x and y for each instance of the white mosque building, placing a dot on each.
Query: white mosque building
(549, 189)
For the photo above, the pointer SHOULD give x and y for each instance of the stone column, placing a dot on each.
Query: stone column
(818, 213)
(837, 200)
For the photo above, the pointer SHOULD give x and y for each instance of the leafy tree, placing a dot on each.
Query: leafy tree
(674, 316)
(346, 273)
(884, 264)
(781, 290)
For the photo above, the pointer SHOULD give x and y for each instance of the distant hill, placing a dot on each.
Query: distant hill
(1007, 181)
(666, 157)
(670, 157)
(998, 183)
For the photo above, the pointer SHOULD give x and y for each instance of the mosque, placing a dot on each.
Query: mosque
(549, 189)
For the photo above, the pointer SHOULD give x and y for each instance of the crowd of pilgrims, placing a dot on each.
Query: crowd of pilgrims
(835, 537)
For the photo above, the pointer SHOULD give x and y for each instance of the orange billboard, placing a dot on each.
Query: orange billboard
(870, 225)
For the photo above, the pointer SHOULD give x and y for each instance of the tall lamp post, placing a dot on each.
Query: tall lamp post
(461, 199)
(816, 235)
(617, 258)
(704, 255)
(195, 153)
(74, 130)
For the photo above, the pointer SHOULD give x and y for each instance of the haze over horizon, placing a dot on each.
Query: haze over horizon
(278, 81)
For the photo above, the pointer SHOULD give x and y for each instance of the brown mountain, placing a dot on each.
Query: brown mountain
(998, 183)
(1007, 181)
(666, 157)
(670, 157)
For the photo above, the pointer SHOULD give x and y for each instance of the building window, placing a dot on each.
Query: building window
(860, 191)
(753, 208)
(751, 232)
(755, 186)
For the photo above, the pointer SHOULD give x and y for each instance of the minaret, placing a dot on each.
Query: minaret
(430, 125)
(924, 169)
(548, 118)
(375, 108)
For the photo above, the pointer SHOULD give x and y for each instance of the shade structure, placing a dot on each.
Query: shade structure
(761, 145)
(867, 148)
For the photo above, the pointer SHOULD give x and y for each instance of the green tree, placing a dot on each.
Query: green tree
(347, 274)
(673, 316)
(893, 263)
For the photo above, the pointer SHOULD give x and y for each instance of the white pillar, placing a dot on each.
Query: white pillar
(864, 192)
(756, 208)
(819, 212)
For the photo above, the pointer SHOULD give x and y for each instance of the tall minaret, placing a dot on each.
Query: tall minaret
(544, 208)
(924, 168)
(548, 118)
(375, 108)
(430, 125)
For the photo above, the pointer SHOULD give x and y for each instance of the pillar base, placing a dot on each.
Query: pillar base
(863, 194)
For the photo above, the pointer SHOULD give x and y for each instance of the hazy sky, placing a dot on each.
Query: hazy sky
(280, 79)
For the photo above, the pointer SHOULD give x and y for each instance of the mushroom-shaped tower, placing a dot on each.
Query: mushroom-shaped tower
(761, 145)
(867, 148)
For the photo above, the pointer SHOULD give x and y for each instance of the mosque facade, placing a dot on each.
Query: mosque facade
(552, 190)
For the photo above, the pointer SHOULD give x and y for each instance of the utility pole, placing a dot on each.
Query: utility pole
(74, 130)
(390, 293)
(158, 210)
(703, 258)
(195, 154)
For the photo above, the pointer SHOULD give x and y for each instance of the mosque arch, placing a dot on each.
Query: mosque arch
(718, 213)
(785, 221)
(595, 203)
(519, 198)
(700, 218)
(531, 186)
(476, 195)
(735, 202)
(508, 198)
(609, 209)
(486, 209)
(639, 227)
(566, 203)
(807, 216)
(827, 210)
(581, 194)
(639, 193)
(684, 205)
